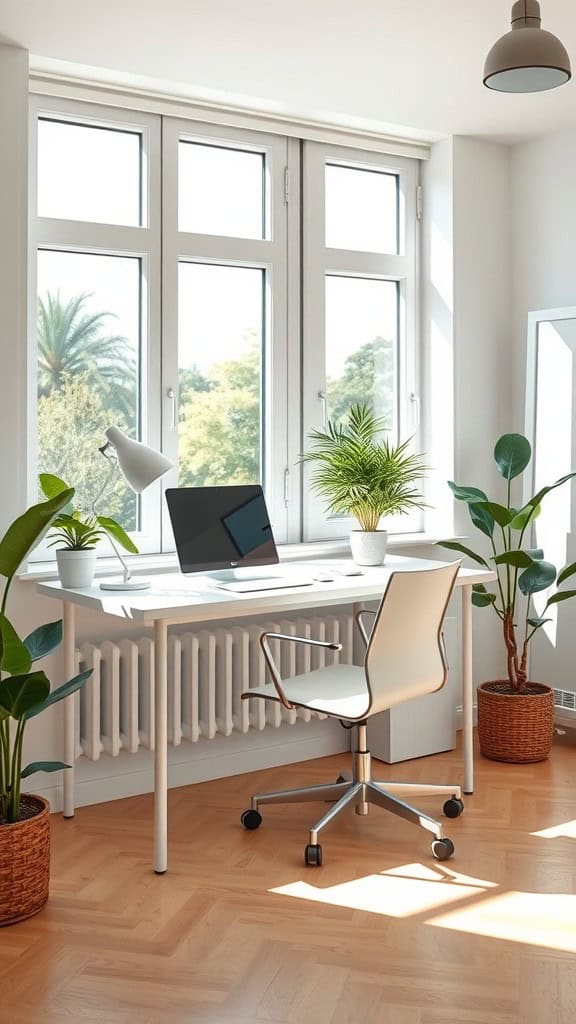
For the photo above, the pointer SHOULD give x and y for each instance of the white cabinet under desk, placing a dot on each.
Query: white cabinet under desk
(175, 600)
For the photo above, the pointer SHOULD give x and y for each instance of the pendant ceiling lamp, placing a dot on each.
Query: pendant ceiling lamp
(527, 59)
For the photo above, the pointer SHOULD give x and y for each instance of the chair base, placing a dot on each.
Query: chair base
(361, 791)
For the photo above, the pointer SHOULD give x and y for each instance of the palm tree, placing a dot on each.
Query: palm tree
(73, 341)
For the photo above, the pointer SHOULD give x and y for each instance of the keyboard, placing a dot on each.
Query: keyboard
(271, 583)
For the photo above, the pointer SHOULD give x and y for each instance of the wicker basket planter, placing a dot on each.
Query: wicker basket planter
(25, 861)
(513, 727)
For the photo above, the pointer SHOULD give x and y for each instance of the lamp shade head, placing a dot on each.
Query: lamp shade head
(527, 59)
(140, 465)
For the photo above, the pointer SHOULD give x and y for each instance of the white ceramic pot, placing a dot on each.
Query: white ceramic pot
(76, 568)
(368, 548)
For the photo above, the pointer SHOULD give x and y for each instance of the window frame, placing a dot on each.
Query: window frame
(295, 260)
(141, 242)
(269, 254)
(321, 261)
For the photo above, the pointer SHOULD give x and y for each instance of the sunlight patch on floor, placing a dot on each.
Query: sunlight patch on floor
(399, 892)
(533, 918)
(567, 830)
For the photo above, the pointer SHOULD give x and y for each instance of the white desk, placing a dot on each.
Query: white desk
(175, 599)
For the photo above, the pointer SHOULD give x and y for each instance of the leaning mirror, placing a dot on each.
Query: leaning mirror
(551, 428)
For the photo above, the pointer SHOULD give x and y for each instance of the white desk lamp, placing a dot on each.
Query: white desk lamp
(140, 466)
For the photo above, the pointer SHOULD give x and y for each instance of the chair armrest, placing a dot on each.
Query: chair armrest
(272, 666)
(363, 632)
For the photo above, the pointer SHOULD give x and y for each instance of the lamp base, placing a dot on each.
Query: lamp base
(134, 584)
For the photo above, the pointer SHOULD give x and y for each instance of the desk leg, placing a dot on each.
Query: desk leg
(160, 747)
(69, 650)
(467, 690)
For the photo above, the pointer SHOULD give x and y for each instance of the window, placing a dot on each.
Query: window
(217, 293)
(359, 301)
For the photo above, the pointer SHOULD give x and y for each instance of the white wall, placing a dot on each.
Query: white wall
(465, 327)
(544, 255)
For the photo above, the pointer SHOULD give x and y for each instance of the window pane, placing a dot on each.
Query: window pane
(361, 344)
(361, 210)
(88, 173)
(88, 371)
(220, 191)
(220, 371)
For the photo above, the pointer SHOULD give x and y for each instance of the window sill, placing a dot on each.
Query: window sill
(159, 563)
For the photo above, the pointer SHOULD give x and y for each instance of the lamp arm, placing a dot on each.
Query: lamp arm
(109, 478)
(127, 577)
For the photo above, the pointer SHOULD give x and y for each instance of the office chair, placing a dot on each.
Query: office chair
(405, 658)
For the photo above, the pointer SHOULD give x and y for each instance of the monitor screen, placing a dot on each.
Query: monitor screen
(221, 527)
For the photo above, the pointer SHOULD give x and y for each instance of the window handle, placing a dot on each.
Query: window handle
(322, 397)
(172, 399)
(415, 401)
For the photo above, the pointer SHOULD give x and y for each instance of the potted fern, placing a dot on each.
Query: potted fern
(25, 692)
(76, 534)
(361, 474)
(515, 714)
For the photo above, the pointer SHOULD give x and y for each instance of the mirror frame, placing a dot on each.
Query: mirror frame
(535, 318)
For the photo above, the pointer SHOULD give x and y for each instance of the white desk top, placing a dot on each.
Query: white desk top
(178, 598)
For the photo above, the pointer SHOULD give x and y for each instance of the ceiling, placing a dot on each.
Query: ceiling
(394, 64)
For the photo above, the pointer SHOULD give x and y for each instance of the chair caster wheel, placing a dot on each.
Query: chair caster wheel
(313, 855)
(453, 808)
(442, 848)
(251, 819)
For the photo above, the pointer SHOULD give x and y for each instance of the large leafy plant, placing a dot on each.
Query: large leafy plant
(77, 530)
(522, 571)
(24, 691)
(360, 473)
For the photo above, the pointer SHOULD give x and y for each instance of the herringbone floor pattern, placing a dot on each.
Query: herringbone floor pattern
(240, 931)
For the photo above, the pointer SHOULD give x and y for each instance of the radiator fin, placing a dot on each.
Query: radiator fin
(207, 672)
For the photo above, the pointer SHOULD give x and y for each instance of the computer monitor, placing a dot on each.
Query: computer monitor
(221, 527)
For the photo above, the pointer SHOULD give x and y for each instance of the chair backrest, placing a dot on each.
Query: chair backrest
(405, 655)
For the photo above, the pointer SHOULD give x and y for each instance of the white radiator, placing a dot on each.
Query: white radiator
(207, 672)
(565, 708)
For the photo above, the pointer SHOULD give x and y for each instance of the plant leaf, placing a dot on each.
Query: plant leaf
(454, 545)
(470, 494)
(483, 600)
(524, 516)
(52, 485)
(566, 572)
(14, 657)
(66, 690)
(42, 766)
(482, 520)
(117, 533)
(28, 530)
(519, 559)
(537, 622)
(562, 595)
(512, 454)
(536, 577)
(502, 515)
(44, 639)
(20, 693)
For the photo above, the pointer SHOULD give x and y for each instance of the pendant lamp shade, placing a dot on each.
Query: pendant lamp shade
(527, 59)
(139, 464)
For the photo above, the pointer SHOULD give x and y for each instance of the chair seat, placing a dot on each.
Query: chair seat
(339, 691)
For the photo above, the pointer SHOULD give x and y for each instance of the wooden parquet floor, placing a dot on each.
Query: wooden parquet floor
(240, 931)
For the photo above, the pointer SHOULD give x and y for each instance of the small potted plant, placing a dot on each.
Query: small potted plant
(76, 534)
(24, 693)
(515, 715)
(361, 474)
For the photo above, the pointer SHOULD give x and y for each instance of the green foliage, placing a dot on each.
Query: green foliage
(72, 342)
(79, 531)
(360, 473)
(521, 571)
(367, 378)
(71, 425)
(25, 693)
